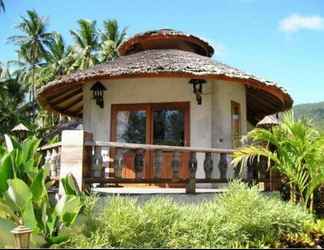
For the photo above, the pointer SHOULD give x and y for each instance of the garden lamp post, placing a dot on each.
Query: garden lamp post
(22, 236)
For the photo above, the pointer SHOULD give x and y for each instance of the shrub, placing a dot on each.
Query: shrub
(241, 217)
(295, 149)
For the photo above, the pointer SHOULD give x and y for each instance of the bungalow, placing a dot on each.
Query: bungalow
(166, 92)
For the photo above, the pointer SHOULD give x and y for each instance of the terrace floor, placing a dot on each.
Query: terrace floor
(152, 190)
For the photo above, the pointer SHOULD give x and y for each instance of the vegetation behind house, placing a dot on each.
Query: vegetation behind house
(313, 111)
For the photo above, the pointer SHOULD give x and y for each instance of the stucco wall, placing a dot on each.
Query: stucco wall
(210, 122)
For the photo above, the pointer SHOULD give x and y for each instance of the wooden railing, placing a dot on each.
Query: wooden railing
(92, 162)
(97, 173)
(52, 158)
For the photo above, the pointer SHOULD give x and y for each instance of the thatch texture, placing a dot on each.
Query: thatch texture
(166, 38)
(64, 95)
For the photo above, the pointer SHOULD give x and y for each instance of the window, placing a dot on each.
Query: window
(236, 123)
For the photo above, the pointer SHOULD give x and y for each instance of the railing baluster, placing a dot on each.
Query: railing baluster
(208, 165)
(53, 163)
(97, 161)
(193, 163)
(175, 164)
(139, 163)
(158, 159)
(118, 163)
(47, 158)
(58, 162)
(223, 165)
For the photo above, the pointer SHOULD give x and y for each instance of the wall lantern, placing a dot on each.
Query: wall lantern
(197, 88)
(98, 93)
(22, 236)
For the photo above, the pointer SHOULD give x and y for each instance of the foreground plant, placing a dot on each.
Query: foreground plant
(241, 217)
(298, 155)
(24, 192)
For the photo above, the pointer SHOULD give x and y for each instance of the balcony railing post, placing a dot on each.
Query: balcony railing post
(193, 163)
(158, 158)
(118, 163)
(58, 161)
(96, 163)
(139, 163)
(53, 162)
(223, 165)
(175, 163)
(208, 165)
(74, 156)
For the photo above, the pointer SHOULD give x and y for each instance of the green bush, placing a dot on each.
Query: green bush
(241, 217)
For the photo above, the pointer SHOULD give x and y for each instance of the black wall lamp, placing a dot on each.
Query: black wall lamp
(197, 88)
(98, 93)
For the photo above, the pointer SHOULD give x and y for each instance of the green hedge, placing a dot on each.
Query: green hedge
(241, 217)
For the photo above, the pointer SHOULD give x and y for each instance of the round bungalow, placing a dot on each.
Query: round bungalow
(164, 88)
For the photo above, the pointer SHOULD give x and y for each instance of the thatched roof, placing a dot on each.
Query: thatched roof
(20, 127)
(268, 121)
(166, 39)
(64, 95)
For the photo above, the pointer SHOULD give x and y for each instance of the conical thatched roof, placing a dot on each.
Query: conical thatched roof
(268, 121)
(148, 55)
(20, 127)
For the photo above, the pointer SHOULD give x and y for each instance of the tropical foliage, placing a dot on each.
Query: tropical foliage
(111, 38)
(311, 111)
(13, 108)
(295, 149)
(31, 46)
(42, 56)
(242, 217)
(24, 195)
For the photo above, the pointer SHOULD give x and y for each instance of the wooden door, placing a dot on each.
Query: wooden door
(152, 123)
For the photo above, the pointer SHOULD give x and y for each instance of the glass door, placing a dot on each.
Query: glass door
(130, 123)
(153, 123)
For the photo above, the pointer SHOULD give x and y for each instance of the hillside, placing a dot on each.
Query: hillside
(313, 111)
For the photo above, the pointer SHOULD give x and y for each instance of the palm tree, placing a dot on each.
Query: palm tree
(32, 43)
(13, 108)
(298, 155)
(58, 59)
(111, 39)
(85, 49)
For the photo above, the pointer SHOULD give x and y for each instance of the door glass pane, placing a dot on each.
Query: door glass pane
(131, 126)
(168, 127)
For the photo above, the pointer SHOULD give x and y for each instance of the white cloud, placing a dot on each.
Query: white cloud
(297, 22)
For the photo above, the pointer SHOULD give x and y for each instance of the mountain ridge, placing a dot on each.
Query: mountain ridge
(313, 111)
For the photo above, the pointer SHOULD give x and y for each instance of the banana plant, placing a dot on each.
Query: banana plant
(24, 192)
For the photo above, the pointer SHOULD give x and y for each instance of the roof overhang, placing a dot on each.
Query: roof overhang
(65, 95)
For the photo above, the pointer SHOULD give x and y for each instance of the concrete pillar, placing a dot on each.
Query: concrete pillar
(74, 156)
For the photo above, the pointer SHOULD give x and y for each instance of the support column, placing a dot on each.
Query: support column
(74, 156)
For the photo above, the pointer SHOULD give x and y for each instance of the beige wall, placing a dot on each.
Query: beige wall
(210, 122)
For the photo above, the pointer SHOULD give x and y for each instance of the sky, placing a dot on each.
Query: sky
(281, 41)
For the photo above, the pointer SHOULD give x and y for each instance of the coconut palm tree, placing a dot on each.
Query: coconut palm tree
(298, 155)
(58, 59)
(13, 108)
(86, 45)
(111, 38)
(32, 44)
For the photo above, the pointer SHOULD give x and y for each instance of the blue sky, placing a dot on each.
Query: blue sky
(278, 40)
